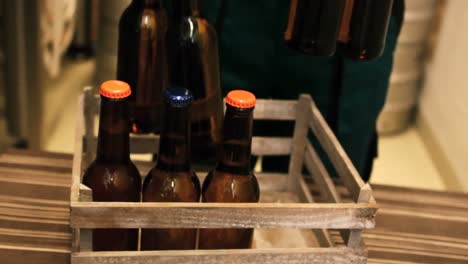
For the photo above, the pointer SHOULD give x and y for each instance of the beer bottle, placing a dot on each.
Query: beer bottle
(313, 26)
(142, 62)
(172, 180)
(368, 29)
(194, 64)
(232, 181)
(112, 176)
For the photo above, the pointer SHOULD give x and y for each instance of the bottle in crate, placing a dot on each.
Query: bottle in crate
(313, 26)
(232, 181)
(367, 29)
(112, 176)
(193, 62)
(172, 180)
(142, 61)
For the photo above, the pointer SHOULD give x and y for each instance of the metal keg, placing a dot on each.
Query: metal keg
(106, 50)
(408, 67)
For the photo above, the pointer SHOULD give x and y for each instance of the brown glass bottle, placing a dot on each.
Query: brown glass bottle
(232, 180)
(194, 64)
(112, 176)
(172, 180)
(313, 26)
(368, 29)
(142, 61)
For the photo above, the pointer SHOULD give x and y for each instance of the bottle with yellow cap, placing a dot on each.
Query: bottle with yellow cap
(112, 176)
(232, 181)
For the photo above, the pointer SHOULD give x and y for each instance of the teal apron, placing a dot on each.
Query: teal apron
(350, 94)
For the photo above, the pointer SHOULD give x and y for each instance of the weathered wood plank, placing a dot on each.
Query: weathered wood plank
(34, 238)
(271, 146)
(22, 223)
(32, 189)
(257, 256)
(216, 215)
(77, 167)
(33, 202)
(296, 182)
(335, 152)
(18, 175)
(86, 194)
(354, 236)
(320, 175)
(267, 146)
(32, 213)
(21, 255)
(414, 256)
(23, 159)
(275, 110)
(89, 112)
(82, 238)
(404, 220)
(416, 244)
(77, 158)
(322, 235)
(298, 144)
(323, 180)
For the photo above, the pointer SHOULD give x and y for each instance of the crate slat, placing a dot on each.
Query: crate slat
(321, 176)
(298, 144)
(221, 215)
(337, 155)
(261, 146)
(78, 150)
(259, 256)
(275, 110)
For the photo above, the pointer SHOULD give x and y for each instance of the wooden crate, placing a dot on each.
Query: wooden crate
(351, 217)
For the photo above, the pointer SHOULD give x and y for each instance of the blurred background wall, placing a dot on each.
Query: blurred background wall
(443, 112)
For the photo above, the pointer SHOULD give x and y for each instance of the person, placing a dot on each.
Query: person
(350, 94)
(253, 56)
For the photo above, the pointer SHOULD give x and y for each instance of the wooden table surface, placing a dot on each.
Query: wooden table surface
(413, 226)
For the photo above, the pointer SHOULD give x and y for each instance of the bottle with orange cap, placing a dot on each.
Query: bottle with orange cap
(112, 176)
(232, 180)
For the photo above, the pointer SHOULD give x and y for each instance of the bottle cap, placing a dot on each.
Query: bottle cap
(241, 99)
(178, 96)
(115, 89)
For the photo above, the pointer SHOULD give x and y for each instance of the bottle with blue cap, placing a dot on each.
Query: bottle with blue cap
(172, 180)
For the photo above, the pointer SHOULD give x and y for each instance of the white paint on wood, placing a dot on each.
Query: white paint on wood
(221, 215)
(257, 256)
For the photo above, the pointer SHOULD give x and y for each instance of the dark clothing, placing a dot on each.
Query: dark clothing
(350, 94)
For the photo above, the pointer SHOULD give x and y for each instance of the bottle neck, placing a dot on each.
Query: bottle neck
(148, 3)
(184, 8)
(237, 141)
(113, 137)
(174, 148)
